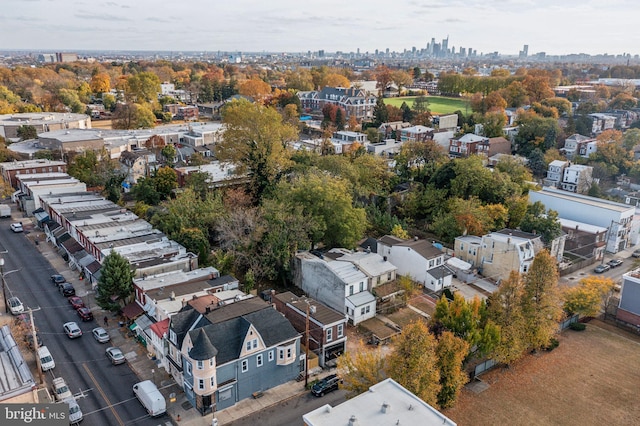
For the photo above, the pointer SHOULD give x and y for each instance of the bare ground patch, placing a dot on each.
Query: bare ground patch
(592, 378)
(404, 316)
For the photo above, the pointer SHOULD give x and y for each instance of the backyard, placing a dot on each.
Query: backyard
(590, 379)
(437, 104)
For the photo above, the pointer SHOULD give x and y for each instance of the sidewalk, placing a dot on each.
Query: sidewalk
(178, 408)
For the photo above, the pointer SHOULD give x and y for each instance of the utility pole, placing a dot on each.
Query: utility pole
(35, 344)
(4, 291)
(306, 345)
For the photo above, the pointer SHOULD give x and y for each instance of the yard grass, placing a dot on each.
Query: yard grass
(590, 379)
(437, 104)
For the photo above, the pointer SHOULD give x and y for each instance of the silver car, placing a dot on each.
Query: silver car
(100, 334)
(72, 330)
(115, 355)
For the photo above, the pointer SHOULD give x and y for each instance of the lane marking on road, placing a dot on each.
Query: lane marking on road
(104, 396)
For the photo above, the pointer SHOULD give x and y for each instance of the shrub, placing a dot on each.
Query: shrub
(552, 345)
(577, 326)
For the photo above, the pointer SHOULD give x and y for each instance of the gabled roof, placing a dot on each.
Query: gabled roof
(323, 314)
(227, 336)
(202, 348)
(182, 321)
(422, 247)
(236, 309)
(470, 137)
(160, 328)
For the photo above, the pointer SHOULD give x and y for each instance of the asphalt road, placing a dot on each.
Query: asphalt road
(103, 391)
(290, 412)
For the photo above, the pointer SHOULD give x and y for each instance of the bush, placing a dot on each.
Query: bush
(552, 345)
(577, 326)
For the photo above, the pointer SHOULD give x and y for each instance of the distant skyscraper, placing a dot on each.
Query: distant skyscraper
(524, 52)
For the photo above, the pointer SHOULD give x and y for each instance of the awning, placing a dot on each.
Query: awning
(132, 310)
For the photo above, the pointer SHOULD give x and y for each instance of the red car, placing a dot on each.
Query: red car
(85, 314)
(76, 302)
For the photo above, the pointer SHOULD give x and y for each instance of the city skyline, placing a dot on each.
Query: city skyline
(288, 26)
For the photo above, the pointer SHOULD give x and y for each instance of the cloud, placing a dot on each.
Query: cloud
(101, 17)
(161, 20)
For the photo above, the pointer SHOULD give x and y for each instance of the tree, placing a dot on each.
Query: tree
(401, 78)
(142, 87)
(255, 88)
(115, 285)
(100, 83)
(541, 303)
(340, 119)
(145, 191)
(414, 362)
(254, 140)
(325, 201)
(169, 153)
(337, 80)
(133, 116)
(631, 138)
(26, 132)
(505, 309)
(623, 101)
(407, 113)
(451, 352)
(588, 296)
(196, 241)
(421, 105)
(360, 369)
(383, 78)
(545, 223)
(165, 181)
(380, 113)
(493, 123)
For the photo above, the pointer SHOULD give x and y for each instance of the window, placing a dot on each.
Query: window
(259, 360)
(350, 290)
(431, 263)
(201, 384)
(368, 308)
(361, 286)
(329, 334)
(340, 330)
(438, 260)
(281, 354)
(188, 367)
(271, 356)
(211, 362)
(213, 381)
(389, 275)
(461, 246)
(245, 365)
(289, 353)
(252, 344)
(361, 311)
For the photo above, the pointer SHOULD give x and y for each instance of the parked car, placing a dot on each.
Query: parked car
(16, 227)
(76, 302)
(60, 389)
(602, 268)
(614, 262)
(58, 279)
(67, 290)
(75, 413)
(636, 253)
(28, 338)
(115, 355)
(15, 306)
(326, 385)
(85, 314)
(72, 330)
(100, 334)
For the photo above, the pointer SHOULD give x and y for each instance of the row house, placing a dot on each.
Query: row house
(583, 240)
(356, 102)
(579, 145)
(327, 327)
(577, 178)
(32, 186)
(602, 122)
(555, 173)
(468, 144)
(618, 218)
(418, 259)
(224, 355)
(136, 164)
(343, 280)
(416, 134)
(345, 141)
(628, 312)
(392, 129)
(11, 169)
(496, 254)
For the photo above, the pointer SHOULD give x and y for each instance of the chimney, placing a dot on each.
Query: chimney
(353, 421)
(368, 249)
(172, 296)
(184, 302)
(386, 407)
(207, 310)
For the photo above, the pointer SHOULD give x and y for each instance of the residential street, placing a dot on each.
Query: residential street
(103, 391)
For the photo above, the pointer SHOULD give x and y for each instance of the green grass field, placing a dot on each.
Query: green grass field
(437, 104)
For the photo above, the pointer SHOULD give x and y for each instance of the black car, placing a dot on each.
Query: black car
(58, 279)
(326, 385)
(67, 290)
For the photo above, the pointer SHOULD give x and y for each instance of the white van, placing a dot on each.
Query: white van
(150, 397)
(46, 360)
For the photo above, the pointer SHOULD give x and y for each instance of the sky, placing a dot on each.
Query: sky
(552, 26)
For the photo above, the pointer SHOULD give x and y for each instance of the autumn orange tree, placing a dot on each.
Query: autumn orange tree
(360, 369)
(588, 296)
(505, 309)
(541, 302)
